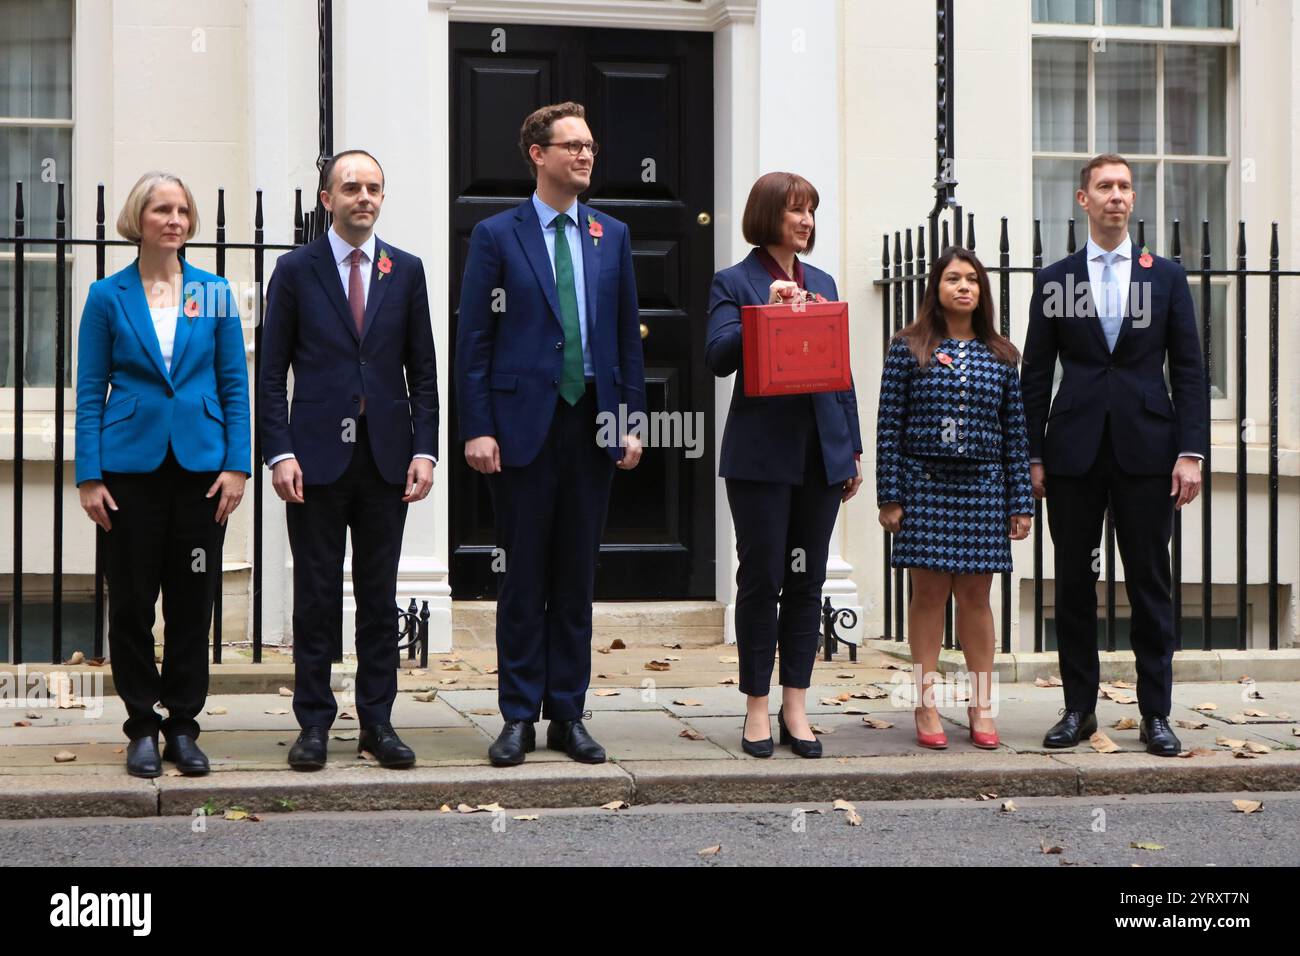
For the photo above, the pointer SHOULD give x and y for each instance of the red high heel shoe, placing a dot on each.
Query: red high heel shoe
(979, 738)
(937, 741)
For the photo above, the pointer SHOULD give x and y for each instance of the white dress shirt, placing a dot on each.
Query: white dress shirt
(342, 252)
(164, 326)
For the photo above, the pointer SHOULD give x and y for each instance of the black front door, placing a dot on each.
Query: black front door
(649, 101)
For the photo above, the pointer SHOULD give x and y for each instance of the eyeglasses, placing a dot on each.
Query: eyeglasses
(575, 147)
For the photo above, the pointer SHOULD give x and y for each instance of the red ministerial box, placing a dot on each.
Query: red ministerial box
(795, 349)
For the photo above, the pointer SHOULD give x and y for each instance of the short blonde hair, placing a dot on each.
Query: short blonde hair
(128, 220)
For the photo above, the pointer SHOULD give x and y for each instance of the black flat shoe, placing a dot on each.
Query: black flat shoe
(185, 753)
(142, 758)
(309, 750)
(517, 737)
(571, 737)
(1073, 726)
(804, 748)
(382, 743)
(1160, 739)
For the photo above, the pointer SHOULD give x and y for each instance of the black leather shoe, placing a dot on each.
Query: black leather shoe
(185, 753)
(382, 743)
(804, 748)
(517, 737)
(572, 738)
(309, 750)
(1160, 739)
(756, 748)
(1073, 726)
(142, 758)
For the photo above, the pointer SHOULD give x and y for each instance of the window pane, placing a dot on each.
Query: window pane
(1134, 13)
(1195, 192)
(1202, 13)
(1055, 181)
(1218, 329)
(1060, 96)
(36, 58)
(1126, 98)
(39, 324)
(38, 157)
(1196, 80)
(1064, 11)
(1144, 211)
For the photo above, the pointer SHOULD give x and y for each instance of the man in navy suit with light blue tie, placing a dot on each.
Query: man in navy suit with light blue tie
(548, 338)
(349, 313)
(1114, 316)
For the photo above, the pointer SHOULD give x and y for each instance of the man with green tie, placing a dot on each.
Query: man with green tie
(548, 338)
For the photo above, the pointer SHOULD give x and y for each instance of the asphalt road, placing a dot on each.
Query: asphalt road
(1193, 830)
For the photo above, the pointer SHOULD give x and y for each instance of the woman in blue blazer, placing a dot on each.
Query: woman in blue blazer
(952, 476)
(788, 462)
(162, 455)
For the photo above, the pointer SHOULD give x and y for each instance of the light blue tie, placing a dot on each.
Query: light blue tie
(1112, 312)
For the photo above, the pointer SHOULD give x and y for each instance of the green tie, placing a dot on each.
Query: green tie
(573, 382)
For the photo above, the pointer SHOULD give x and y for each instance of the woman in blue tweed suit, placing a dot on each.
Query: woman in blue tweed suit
(952, 476)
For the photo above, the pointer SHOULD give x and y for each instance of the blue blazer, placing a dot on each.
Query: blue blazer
(200, 407)
(309, 327)
(765, 437)
(509, 362)
(1147, 432)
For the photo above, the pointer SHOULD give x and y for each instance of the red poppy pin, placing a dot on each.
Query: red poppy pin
(384, 264)
(594, 229)
(191, 306)
(943, 357)
(1145, 259)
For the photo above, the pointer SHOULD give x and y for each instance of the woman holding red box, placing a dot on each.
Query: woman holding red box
(788, 462)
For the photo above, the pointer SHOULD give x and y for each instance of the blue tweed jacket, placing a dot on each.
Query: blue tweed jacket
(968, 409)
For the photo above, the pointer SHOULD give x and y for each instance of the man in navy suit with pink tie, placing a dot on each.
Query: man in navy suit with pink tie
(548, 338)
(349, 314)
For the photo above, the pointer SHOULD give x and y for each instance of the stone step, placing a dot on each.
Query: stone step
(635, 623)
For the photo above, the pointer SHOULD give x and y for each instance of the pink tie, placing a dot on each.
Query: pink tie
(356, 291)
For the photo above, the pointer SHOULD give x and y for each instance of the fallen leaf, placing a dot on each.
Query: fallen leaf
(490, 670)
(1146, 846)
(853, 818)
(1256, 713)
(1236, 719)
(1257, 748)
(217, 711)
(1247, 806)
(1283, 715)
(855, 710)
(278, 712)
(446, 681)
(846, 676)
(1255, 695)
(1231, 742)
(843, 805)
(173, 772)
(1102, 744)
(491, 807)
(428, 697)
(871, 693)
(987, 796)
(1295, 731)
(816, 810)
(657, 666)
(1008, 806)
(1049, 849)
(690, 734)
(97, 661)
(673, 647)
(729, 680)
(1191, 724)
(32, 716)
(1122, 683)
(347, 715)
(617, 645)
(614, 805)
(831, 701)
(77, 658)
(419, 673)
(524, 817)
(602, 650)
(1047, 681)
(876, 723)
(1206, 707)
(1201, 752)
(482, 711)
(452, 667)
(728, 660)
(1124, 723)
(466, 808)
(236, 815)
(819, 729)
(607, 692)
(343, 737)
(711, 850)
(1243, 679)
(688, 702)
(670, 657)
(444, 809)
(285, 692)
(1243, 755)
(1118, 698)
(22, 723)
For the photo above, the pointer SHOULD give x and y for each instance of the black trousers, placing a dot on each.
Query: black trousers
(1144, 515)
(783, 534)
(549, 518)
(164, 536)
(318, 528)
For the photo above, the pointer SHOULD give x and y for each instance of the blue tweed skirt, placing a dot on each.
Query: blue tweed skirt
(954, 517)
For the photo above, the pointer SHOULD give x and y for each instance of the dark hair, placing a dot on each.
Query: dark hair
(536, 130)
(1104, 159)
(327, 171)
(930, 327)
(765, 208)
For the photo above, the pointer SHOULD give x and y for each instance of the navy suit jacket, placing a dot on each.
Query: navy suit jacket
(310, 328)
(764, 438)
(510, 343)
(1147, 432)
